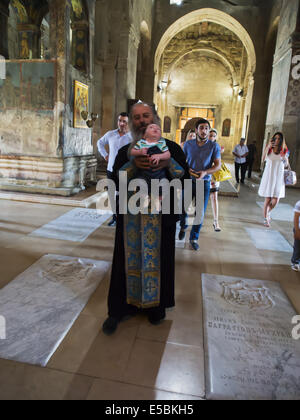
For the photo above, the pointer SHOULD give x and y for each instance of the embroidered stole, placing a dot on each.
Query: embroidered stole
(142, 240)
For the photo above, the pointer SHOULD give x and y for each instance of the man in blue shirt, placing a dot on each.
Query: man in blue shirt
(204, 159)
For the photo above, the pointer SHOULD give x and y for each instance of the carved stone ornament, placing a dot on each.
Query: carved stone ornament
(241, 294)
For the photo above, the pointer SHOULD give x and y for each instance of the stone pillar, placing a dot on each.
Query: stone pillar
(60, 50)
(108, 96)
(126, 68)
(284, 102)
(4, 14)
(291, 121)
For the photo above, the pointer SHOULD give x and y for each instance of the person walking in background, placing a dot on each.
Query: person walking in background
(251, 158)
(204, 159)
(240, 152)
(191, 135)
(115, 140)
(272, 186)
(215, 187)
(296, 255)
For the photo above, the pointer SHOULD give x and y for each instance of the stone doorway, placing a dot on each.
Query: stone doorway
(189, 118)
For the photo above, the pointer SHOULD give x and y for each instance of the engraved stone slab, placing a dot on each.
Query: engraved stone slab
(249, 349)
(269, 240)
(75, 226)
(41, 305)
(283, 212)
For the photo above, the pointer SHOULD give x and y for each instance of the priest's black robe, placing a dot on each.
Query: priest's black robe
(117, 299)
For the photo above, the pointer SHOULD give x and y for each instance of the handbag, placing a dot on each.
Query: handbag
(223, 174)
(290, 177)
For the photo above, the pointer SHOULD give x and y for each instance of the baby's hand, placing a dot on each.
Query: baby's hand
(144, 151)
(155, 159)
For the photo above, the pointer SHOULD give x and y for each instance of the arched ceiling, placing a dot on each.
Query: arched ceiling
(191, 81)
(210, 38)
(238, 33)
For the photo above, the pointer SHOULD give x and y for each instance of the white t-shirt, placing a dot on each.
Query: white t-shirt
(115, 143)
(297, 210)
(241, 151)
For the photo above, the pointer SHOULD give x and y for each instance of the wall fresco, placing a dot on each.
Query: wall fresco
(27, 109)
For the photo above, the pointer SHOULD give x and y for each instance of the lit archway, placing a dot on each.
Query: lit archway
(211, 15)
(238, 102)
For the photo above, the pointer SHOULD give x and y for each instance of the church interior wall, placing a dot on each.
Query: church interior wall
(121, 39)
(284, 103)
(37, 98)
(116, 60)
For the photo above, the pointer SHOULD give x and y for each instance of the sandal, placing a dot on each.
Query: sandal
(216, 227)
(266, 223)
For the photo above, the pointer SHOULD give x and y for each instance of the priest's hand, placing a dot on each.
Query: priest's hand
(142, 162)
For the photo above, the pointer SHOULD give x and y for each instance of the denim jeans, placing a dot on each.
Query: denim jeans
(296, 255)
(195, 232)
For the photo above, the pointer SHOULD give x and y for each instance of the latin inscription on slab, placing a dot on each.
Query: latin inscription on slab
(249, 349)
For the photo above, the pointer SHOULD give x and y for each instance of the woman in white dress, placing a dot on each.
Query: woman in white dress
(215, 187)
(272, 185)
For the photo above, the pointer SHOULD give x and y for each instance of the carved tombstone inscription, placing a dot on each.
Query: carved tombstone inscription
(250, 352)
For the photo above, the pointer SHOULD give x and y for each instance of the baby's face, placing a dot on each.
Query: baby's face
(153, 132)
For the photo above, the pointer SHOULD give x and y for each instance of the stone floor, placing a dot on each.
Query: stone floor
(140, 361)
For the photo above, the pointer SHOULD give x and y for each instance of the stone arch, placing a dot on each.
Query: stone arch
(239, 106)
(218, 55)
(211, 15)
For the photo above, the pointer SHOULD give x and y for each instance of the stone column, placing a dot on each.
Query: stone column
(291, 121)
(108, 95)
(284, 102)
(60, 50)
(4, 14)
(126, 68)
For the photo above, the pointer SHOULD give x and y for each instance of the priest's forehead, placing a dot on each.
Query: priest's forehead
(141, 109)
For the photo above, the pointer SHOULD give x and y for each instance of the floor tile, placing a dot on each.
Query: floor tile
(117, 391)
(169, 367)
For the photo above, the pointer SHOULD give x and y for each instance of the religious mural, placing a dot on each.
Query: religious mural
(81, 103)
(80, 35)
(20, 11)
(226, 128)
(38, 81)
(77, 8)
(10, 88)
(27, 100)
(167, 125)
(29, 85)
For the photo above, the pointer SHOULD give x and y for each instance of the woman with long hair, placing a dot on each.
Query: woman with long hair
(215, 187)
(272, 186)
